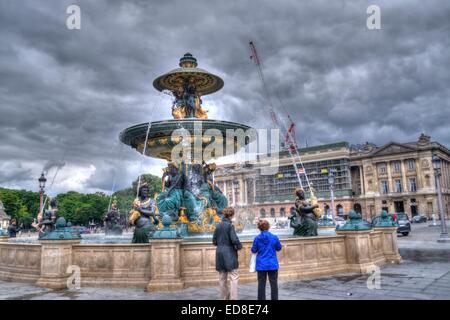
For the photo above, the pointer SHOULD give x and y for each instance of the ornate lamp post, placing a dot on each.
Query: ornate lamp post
(437, 174)
(331, 181)
(42, 180)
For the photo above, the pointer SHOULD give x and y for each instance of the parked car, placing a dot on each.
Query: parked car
(339, 221)
(419, 218)
(404, 225)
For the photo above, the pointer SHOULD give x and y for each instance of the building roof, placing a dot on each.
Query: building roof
(423, 143)
(320, 147)
(3, 215)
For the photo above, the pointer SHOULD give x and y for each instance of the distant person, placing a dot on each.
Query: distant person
(265, 246)
(13, 228)
(228, 244)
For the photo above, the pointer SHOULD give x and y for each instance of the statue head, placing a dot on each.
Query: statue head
(172, 168)
(53, 203)
(143, 191)
(300, 193)
(352, 215)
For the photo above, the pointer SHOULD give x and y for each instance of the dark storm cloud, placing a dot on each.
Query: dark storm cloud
(66, 94)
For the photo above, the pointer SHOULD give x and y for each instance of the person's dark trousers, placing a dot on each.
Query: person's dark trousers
(273, 280)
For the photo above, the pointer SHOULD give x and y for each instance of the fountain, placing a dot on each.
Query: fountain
(179, 252)
(189, 196)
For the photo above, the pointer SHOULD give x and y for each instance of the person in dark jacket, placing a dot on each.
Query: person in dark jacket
(265, 246)
(228, 244)
(13, 228)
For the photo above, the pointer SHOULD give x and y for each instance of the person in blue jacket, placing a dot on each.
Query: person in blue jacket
(265, 246)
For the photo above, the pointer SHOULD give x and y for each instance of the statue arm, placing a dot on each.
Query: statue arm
(307, 208)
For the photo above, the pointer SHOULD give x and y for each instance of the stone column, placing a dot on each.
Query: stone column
(391, 184)
(404, 180)
(165, 267)
(241, 192)
(357, 247)
(389, 243)
(361, 179)
(56, 256)
(245, 192)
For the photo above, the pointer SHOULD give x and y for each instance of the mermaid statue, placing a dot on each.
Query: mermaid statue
(171, 197)
(143, 216)
(304, 218)
(217, 199)
(46, 220)
(112, 221)
(196, 199)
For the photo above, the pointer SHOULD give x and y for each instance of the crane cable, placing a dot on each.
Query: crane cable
(274, 118)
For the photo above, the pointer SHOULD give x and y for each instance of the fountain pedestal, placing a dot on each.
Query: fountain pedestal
(165, 265)
(389, 243)
(56, 257)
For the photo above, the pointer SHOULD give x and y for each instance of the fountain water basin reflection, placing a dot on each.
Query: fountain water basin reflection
(101, 238)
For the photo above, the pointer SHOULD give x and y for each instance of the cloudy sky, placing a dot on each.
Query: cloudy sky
(65, 95)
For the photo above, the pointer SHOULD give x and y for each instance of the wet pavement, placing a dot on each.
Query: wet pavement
(423, 274)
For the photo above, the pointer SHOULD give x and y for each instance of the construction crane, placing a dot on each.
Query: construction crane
(289, 133)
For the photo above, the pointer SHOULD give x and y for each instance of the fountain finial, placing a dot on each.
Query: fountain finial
(188, 61)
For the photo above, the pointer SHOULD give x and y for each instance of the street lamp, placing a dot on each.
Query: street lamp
(331, 181)
(437, 175)
(42, 180)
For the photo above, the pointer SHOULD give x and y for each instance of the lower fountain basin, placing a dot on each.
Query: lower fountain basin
(173, 264)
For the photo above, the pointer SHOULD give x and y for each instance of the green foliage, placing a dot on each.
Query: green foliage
(81, 208)
(76, 207)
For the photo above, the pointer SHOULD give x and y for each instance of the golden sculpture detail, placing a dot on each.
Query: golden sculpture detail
(313, 201)
(182, 216)
(134, 214)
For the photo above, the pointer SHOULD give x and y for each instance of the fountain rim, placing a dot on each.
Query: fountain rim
(188, 72)
(139, 130)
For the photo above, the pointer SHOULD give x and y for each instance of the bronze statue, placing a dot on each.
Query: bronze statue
(46, 220)
(112, 221)
(143, 216)
(303, 220)
(171, 197)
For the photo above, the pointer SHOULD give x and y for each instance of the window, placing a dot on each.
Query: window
(396, 166)
(384, 187)
(398, 185)
(272, 212)
(283, 212)
(412, 185)
(262, 213)
(382, 168)
(340, 210)
(410, 164)
(427, 180)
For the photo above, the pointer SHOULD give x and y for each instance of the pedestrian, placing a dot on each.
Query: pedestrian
(13, 228)
(228, 245)
(265, 246)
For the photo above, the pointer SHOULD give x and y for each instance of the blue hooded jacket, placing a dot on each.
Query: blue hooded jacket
(266, 246)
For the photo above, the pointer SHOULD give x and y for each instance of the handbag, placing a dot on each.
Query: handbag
(252, 264)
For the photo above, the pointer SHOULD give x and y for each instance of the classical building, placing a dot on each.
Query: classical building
(397, 177)
(4, 218)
